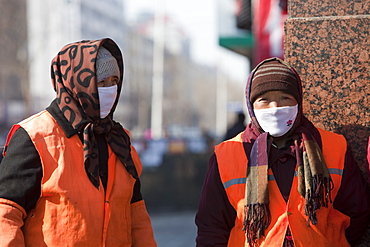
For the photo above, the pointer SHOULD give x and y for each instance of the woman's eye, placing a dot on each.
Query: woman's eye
(287, 98)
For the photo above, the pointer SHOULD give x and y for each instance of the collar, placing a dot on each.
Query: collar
(54, 110)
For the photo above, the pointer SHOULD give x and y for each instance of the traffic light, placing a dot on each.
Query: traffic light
(244, 14)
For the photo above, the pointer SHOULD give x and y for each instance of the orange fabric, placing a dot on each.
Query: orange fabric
(71, 211)
(11, 218)
(329, 231)
(141, 224)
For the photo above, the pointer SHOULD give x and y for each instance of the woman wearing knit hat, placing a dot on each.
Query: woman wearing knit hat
(70, 176)
(282, 181)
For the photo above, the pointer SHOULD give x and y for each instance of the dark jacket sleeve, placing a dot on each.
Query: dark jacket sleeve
(21, 171)
(353, 200)
(216, 216)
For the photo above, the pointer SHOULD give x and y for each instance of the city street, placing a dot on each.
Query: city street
(174, 229)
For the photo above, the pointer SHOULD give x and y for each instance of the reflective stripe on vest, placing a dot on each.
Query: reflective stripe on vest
(232, 163)
(242, 180)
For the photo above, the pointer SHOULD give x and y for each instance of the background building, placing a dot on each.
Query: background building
(35, 30)
(14, 72)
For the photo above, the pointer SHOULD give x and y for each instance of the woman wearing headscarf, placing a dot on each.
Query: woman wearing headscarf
(282, 181)
(70, 176)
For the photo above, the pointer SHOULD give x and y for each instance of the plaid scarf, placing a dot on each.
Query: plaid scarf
(314, 182)
(73, 75)
(256, 212)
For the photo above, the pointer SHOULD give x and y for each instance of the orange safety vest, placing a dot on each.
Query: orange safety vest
(329, 231)
(71, 211)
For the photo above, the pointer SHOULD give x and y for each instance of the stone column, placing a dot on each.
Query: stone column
(328, 42)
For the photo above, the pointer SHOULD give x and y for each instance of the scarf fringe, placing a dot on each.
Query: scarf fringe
(317, 197)
(257, 218)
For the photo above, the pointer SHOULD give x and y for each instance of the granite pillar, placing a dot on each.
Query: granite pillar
(328, 42)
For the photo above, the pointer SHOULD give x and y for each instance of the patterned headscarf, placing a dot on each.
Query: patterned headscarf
(314, 182)
(73, 74)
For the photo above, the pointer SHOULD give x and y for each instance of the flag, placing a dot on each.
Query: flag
(268, 29)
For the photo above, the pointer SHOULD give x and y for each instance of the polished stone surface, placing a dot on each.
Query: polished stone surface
(312, 8)
(328, 42)
(331, 54)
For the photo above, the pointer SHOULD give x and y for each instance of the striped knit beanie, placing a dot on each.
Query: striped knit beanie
(274, 75)
(106, 65)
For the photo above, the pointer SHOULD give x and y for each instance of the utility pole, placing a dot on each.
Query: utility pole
(157, 85)
(221, 103)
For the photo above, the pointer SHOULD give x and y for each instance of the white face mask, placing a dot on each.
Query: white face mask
(277, 120)
(107, 97)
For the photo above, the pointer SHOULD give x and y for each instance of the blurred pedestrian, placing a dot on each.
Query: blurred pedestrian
(282, 181)
(70, 176)
(237, 127)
